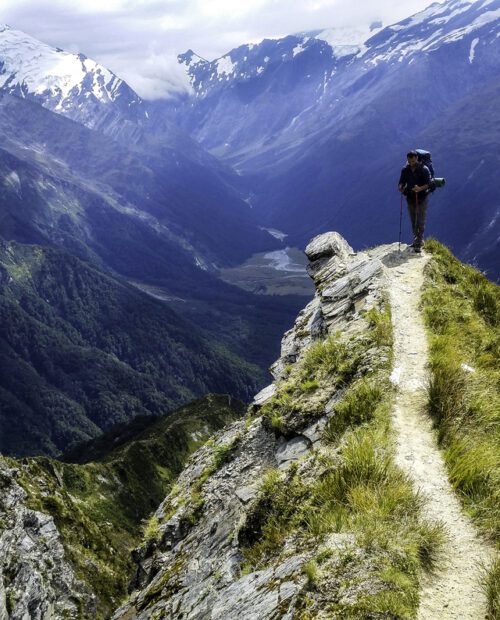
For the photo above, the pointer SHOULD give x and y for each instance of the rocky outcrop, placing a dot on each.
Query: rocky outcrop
(345, 283)
(36, 581)
(194, 569)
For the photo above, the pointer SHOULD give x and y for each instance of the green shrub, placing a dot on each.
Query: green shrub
(311, 571)
(330, 358)
(381, 326)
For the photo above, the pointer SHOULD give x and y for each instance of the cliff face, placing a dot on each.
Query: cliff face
(84, 516)
(244, 531)
(36, 581)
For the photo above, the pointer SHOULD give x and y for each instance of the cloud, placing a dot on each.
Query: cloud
(140, 39)
(159, 77)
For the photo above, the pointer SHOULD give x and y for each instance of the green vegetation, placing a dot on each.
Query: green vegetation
(356, 407)
(327, 366)
(164, 585)
(357, 492)
(101, 507)
(381, 327)
(492, 589)
(151, 529)
(462, 311)
(81, 351)
(351, 493)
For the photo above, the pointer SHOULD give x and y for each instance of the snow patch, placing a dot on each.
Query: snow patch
(39, 69)
(479, 22)
(447, 18)
(347, 41)
(195, 60)
(298, 49)
(12, 180)
(225, 66)
(473, 50)
(277, 234)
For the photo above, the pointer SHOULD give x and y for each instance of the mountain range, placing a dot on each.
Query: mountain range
(81, 352)
(322, 130)
(83, 172)
(295, 135)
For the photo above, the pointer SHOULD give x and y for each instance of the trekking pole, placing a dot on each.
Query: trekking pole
(417, 216)
(400, 222)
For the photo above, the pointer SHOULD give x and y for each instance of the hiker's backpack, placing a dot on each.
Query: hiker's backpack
(424, 157)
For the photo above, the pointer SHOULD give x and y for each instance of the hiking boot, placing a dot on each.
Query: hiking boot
(417, 249)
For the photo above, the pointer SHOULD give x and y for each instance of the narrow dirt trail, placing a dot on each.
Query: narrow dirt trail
(454, 591)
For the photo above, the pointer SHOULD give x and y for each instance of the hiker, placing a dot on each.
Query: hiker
(414, 183)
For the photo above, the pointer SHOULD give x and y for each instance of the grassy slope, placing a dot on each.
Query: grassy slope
(351, 490)
(462, 311)
(99, 506)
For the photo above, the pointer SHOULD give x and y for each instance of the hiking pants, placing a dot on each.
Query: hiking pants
(417, 219)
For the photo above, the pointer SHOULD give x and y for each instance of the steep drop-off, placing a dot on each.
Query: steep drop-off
(307, 514)
(67, 529)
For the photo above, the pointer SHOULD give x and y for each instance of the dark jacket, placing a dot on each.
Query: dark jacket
(420, 176)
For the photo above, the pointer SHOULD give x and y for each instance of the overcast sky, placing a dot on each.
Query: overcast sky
(140, 39)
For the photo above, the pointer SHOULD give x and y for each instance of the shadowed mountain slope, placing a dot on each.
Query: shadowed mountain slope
(82, 351)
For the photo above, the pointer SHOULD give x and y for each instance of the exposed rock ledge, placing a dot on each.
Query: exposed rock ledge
(193, 570)
(36, 582)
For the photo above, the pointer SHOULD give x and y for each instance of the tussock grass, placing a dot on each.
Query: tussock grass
(311, 571)
(462, 312)
(491, 586)
(330, 358)
(380, 322)
(274, 516)
(329, 362)
(151, 529)
(369, 494)
(358, 405)
(360, 492)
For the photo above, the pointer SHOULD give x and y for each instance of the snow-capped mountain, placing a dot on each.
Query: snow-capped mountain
(247, 62)
(346, 41)
(476, 22)
(251, 61)
(321, 70)
(68, 84)
(300, 122)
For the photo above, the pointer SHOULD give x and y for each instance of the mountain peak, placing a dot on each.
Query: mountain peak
(66, 83)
